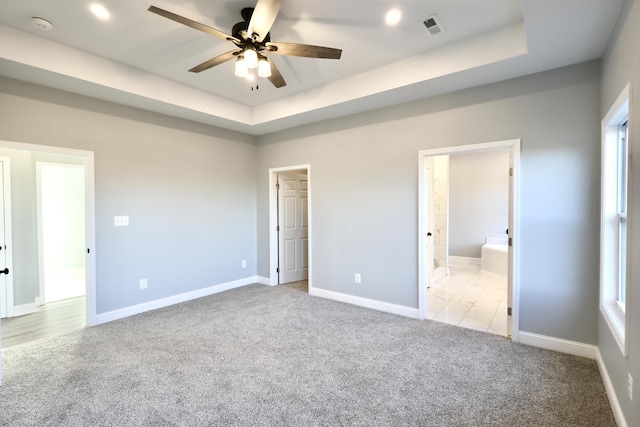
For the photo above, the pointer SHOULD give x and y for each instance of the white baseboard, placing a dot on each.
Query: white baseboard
(463, 260)
(263, 280)
(21, 310)
(175, 299)
(557, 344)
(611, 393)
(365, 302)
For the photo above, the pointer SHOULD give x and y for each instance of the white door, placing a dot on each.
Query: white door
(3, 251)
(293, 228)
(430, 221)
(6, 281)
(510, 247)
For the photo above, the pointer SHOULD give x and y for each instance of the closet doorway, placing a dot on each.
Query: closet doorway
(290, 225)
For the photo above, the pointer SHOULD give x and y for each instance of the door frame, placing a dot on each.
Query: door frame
(514, 206)
(6, 184)
(89, 209)
(273, 222)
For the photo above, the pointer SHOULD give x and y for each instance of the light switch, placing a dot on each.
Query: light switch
(120, 221)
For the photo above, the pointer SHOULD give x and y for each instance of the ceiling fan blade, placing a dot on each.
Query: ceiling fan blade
(304, 50)
(276, 78)
(215, 61)
(193, 24)
(263, 17)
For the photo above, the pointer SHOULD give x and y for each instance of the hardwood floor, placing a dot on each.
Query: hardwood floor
(52, 319)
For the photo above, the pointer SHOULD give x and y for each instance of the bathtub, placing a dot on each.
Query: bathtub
(494, 256)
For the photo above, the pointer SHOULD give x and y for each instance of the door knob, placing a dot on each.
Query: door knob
(429, 234)
(5, 271)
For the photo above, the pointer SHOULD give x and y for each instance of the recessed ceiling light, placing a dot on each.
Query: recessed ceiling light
(41, 23)
(393, 17)
(100, 11)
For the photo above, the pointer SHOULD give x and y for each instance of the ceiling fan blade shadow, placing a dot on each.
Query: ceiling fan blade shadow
(276, 78)
(263, 17)
(191, 23)
(215, 61)
(303, 50)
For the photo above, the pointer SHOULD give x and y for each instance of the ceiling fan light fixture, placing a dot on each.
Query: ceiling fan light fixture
(252, 38)
(264, 68)
(251, 57)
(241, 69)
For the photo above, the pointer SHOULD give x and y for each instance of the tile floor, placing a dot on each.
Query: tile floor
(470, 298)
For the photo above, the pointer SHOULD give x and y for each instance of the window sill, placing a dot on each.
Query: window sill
(615, 318)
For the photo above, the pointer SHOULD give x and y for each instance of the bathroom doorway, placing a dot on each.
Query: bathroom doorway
(466, 244)
(61, 231)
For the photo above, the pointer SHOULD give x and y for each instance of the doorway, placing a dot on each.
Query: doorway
(290, 225)
(433, 237)
(26, 155)
(61, 240)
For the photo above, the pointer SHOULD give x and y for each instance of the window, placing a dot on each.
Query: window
(613, 226)
(623, 177)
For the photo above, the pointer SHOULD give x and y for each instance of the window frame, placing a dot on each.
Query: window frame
(614, 255)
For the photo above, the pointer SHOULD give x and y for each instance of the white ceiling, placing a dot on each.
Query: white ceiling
(140, 59)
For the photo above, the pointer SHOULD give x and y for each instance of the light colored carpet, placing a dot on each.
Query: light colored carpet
(263, 356)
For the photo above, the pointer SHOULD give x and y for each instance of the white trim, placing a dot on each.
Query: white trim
(514, 146)
(464, 261)
(174, 299)
(558, 344)
(611, 392)
(615, 317)
(8, 234)
(90, 236)
(400, 310)
(263, 280)
(21, 310)
(273, 222)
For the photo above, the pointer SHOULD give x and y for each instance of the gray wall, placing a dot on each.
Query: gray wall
(189, 190)
(364, 177)
(621, 65)
(478, 200)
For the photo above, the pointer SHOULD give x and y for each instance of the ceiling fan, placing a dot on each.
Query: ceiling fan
(253, 42)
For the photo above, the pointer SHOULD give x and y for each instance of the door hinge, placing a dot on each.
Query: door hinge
(278, 270)
(508, 311)
(510, 241)
(277, 228)
(510, 171)
(88, 251)
(277, 186)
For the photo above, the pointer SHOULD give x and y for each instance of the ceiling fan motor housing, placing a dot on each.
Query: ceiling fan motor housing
(239, 31)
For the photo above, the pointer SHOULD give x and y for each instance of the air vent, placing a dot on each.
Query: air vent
(433, 25)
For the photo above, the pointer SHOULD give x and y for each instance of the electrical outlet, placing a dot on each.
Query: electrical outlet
(630, 387)
(358, 278)
(244, 263)
(144, 283)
